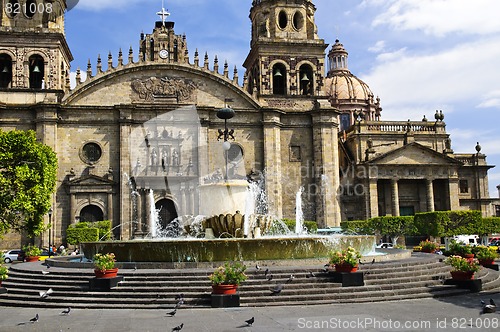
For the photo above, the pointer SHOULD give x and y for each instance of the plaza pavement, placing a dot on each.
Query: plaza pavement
(459, 313)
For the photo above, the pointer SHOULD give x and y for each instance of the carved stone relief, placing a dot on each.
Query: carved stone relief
(152, 88)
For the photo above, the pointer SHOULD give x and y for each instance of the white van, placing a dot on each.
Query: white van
(472, 240)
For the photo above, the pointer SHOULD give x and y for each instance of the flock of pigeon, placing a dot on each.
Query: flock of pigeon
(275, 290)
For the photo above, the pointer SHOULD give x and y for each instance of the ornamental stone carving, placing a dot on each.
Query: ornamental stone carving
(153, 89)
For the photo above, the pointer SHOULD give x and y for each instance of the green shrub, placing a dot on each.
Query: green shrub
(449, 223)
(78, 235)
(104, 228)
(311, 226)
(357, 227)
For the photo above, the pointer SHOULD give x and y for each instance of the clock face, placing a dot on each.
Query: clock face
(163, 54)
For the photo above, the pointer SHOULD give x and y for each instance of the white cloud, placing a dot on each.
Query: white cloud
(378, 47)
(440, 17)
(72, 78)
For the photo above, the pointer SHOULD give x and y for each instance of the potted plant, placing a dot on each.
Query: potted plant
(226, 279)
(4, 273)
(104, 265)
(485, 255)
(346, 260)
(428, 246)
(31, 253)
(463, 269)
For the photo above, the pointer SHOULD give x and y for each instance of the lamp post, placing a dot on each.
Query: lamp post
(50, 231)
(225, 113)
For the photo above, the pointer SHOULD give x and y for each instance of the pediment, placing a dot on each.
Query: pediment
(414, 154)
(159, 84)
(90, 180)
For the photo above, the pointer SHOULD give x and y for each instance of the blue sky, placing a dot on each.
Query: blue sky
(417, 56)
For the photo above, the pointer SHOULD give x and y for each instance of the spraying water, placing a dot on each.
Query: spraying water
(299, 214)
(153, 215)
(250, 205)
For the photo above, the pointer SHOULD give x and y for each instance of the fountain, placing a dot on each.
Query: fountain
(251, 236)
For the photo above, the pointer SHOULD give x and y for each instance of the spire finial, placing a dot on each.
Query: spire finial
(163, 13)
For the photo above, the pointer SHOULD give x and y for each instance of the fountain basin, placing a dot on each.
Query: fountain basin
(223, 197)
(220, 250)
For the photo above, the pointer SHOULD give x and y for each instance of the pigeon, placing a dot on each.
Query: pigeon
(277, 289)
(489, 308)
(34, 319)
(179, 296)
(179, 303)
(310, 275)
(66, 311)
(257, 267)
(373, 260)
(46, 294)
(178, 328)
(360, 262)
(172, 313)
(291, 278)
(250, 321)
(266, 272)
(45, 272)
(135, 268)
(269, 277)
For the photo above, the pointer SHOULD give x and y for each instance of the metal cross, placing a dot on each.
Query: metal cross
(163, 13)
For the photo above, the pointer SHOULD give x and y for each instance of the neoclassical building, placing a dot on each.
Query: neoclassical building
(142, 129)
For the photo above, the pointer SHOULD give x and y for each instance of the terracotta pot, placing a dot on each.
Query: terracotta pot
(469, 257)
(462, 275)
(345, 268)
(111, 273)
(488, 261)
(32, 258)
(224, 289)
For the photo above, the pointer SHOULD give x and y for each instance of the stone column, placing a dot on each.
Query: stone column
(139, 203)
(191, 202)
(110, 208)
(148, 211)
(326, 163)
(395, 197)
(125, 162)
(430, 195)
(454, 190)
(372, 199)
(183, 204)
(272, 161)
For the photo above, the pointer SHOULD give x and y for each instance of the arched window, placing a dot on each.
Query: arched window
(306, 82)
(279, 79)
(12, 8)
(345, 121)
(5, 71)
(152, 49)
(37, 71)
(91, 213)
(176, 50)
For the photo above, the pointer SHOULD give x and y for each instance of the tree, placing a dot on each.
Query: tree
(393, 226)
(27, 180)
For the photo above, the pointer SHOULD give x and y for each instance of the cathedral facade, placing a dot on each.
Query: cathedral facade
(143, 130)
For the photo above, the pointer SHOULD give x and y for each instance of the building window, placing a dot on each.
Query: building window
(464, 186)
(295, 153)
(306, 80)
(345, 121)
(298, 20)
(279, 79)
(282, 19)
(5, 71)
(37, 71)
(91, 153)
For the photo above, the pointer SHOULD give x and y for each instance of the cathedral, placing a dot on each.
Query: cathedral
(148, 128)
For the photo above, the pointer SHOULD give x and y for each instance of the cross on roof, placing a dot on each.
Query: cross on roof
(163, 13)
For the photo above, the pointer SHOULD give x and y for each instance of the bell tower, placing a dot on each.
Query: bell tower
(33, 49)
(287, 57)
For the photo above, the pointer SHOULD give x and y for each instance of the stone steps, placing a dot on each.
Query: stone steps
(418, 277)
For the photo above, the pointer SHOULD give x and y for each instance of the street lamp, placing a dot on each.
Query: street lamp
(50, 230)
(226, 113)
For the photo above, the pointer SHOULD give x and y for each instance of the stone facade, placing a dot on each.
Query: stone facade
(146, 133)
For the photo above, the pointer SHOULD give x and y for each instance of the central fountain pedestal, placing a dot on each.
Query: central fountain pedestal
(223, 197)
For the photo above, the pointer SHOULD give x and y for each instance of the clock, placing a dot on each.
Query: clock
(163, 54)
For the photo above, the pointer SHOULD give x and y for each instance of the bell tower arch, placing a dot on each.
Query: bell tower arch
(284, 36)
(34, 53)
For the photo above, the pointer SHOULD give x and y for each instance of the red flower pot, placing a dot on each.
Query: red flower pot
(488, 261)
(224, 289)
(345, 268)
(469, 257)
(462, 275)
(32, 258)
(111, 273)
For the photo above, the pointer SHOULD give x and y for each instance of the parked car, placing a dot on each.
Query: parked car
(43, 256)
(11, 255)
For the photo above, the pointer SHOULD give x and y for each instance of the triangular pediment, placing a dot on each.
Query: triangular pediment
(414, 154)
(90, 180)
